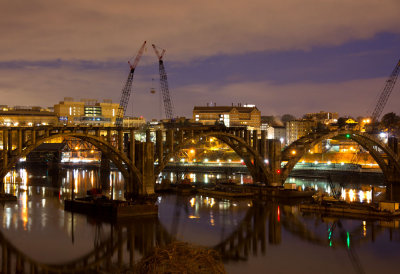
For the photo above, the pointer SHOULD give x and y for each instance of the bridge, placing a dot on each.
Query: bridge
(141, 162)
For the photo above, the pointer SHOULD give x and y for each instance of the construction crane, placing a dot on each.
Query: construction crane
(126, 91)
(383, 98)
(380, 105)
(169, 113)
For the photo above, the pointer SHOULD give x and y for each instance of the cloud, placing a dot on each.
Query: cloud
(104, 30)
(354, 98)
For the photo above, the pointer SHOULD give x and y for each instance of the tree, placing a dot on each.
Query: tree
(390, 121)
(287, 118)
(341, 121)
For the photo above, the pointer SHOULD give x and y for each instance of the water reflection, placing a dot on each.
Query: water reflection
(65, 180)
(114, 247)
(37, 234)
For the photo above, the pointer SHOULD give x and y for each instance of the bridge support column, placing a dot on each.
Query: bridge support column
(120, 140)
(255, 139)
(159, 146)
(5, 148)
(132, 146)
(33, 132)
(109, 139)
(393, 175)
(180, 136)
(19, 141)
(145, 164)
(148, 136)
(97, 132)
(170, 141)
(262, 146)
(274, 157)
(10, 139)
(246, 136)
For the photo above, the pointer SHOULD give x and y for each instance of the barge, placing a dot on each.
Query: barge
(223, 193)
(110, 209)
(383, 210)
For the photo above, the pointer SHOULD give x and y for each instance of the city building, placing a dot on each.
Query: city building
(26, 116)
(298, 128)
(231, 116)
(277, 133)
(86, 112)
(135, 122)
(323, 117)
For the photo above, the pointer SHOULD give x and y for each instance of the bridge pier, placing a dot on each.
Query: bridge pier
(255, 139)
(274, 156)
(159, 146)
(393, 175)
(144, 162)
(263, 144)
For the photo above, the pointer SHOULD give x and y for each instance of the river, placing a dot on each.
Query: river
(252, 236)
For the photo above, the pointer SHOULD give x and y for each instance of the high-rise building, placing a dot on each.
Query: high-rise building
(231, 116)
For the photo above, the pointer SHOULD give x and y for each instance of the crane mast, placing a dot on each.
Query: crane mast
(383, 98)
(126, 91)
(164, 84)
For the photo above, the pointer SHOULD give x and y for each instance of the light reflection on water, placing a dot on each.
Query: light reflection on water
(363, 193)
(201, 177)
(251, 235)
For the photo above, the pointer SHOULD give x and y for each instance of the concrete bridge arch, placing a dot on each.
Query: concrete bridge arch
(251, 157)
(19, 142)
(386, 156)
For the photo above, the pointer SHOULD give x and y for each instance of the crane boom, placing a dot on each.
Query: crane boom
(126, 91)
(164, 84)
(383, 98)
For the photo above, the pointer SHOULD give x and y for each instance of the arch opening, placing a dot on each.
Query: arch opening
(131, 174)
(383, 155)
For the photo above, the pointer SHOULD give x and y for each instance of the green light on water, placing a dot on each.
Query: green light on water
(348, 240)
(347, 135)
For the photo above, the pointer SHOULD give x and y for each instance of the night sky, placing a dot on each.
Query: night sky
(286, 56)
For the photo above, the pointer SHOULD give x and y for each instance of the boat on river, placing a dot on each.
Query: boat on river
(104, 208)
(383, 210)
(280, 192)
(224, 192)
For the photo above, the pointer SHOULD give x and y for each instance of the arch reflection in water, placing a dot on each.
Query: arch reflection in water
(117, 248)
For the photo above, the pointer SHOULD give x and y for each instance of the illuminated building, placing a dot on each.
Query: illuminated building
(323, 117)
(231, 116)
(135, 122)
(277, 133)
(26, 116)
(298, 128)
(86, 112)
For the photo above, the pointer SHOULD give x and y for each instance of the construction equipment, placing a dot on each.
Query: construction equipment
(380, 105)
(164, 84)
(126, 91)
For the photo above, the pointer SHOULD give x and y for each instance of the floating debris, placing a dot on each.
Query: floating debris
(179, 257)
